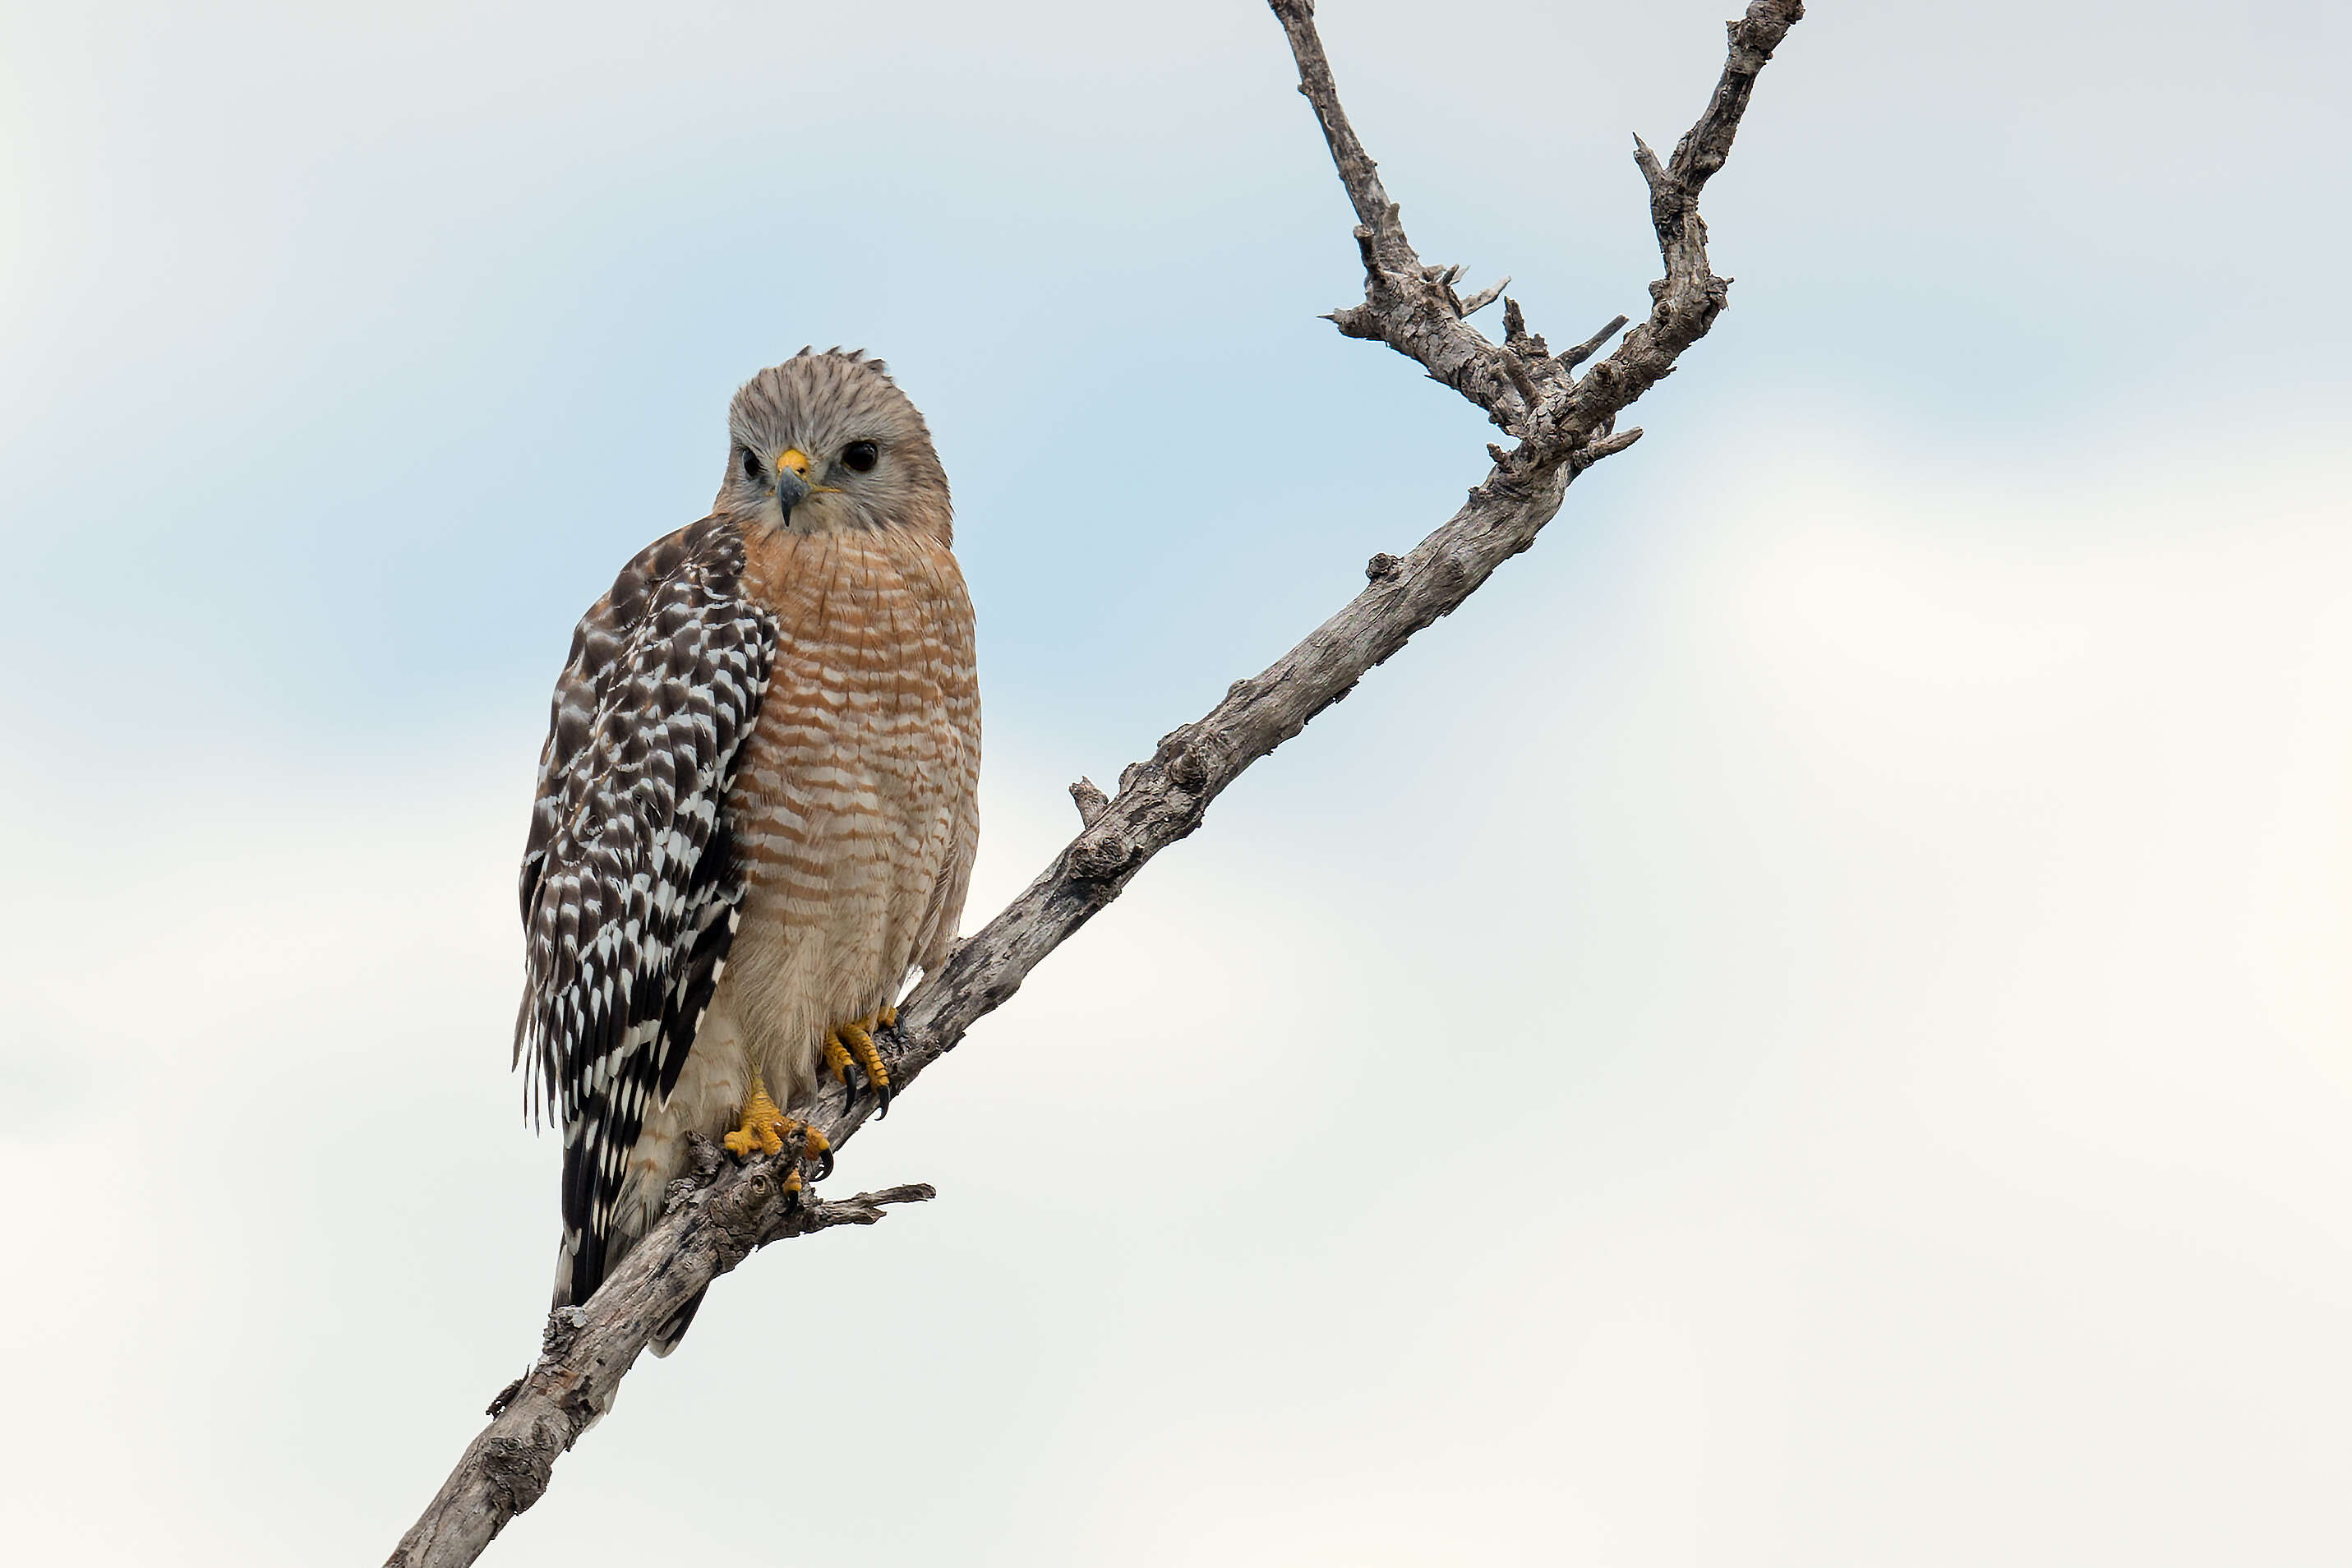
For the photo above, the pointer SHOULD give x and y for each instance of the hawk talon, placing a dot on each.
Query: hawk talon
(887, 1018)
(836, 1061)
(762, 1125)
(855, 1042)
(764, 1129)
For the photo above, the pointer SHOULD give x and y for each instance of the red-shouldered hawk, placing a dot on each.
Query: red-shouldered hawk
(756, 810)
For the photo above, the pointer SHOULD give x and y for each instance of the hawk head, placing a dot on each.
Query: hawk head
(826, 441)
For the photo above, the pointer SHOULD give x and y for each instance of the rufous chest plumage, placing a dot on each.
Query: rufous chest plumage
(858, 771)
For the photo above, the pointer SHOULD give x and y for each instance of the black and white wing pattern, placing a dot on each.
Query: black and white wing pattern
(630, 885)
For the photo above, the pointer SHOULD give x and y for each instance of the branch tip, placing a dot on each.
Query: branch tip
(1483, 298)
(1592, 345)
(1654, 173)
(1606, 447)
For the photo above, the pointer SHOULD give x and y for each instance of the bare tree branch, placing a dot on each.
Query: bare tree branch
(1563, 423)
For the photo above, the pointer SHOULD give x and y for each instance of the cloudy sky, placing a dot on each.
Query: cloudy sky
(1810, 1026)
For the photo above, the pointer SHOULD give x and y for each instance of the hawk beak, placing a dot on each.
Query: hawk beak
(791, 491)
(792, 480)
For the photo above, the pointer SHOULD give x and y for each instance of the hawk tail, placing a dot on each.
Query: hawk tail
(673, 1328)
(580, 1268)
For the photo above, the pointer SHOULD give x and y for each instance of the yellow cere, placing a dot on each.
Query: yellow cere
(795, 459)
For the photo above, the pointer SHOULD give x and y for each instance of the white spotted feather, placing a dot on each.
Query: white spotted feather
(629, 885)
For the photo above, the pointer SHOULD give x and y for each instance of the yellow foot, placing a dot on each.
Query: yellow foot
(855, 1043)
(766, 1130)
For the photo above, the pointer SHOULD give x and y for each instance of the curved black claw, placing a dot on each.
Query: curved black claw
(824, 1165)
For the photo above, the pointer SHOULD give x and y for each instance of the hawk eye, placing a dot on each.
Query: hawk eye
(752, 465)
(861, 456)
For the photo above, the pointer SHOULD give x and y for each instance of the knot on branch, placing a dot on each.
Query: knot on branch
(1100, 856)
(562, 1326)
(516, 1472)
(505, 1396)
(1187, 772)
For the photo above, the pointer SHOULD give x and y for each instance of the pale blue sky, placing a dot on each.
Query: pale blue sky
(1808, 1027)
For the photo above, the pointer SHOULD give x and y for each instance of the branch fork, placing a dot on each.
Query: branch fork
(1558, 418)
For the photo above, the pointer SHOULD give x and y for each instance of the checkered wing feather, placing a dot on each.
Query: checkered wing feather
(630, 885)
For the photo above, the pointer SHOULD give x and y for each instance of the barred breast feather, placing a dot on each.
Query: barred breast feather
(630, 885)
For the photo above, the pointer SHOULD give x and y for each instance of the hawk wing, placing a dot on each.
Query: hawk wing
(630, 885)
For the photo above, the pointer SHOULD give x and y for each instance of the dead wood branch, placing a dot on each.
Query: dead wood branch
(1562, 424)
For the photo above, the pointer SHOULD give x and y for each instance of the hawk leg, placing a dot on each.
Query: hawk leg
(766, 1129)
(855, 1043)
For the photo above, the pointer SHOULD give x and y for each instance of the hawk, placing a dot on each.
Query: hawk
(756, 809)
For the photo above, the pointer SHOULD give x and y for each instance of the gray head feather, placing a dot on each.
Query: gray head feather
(868, 454)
